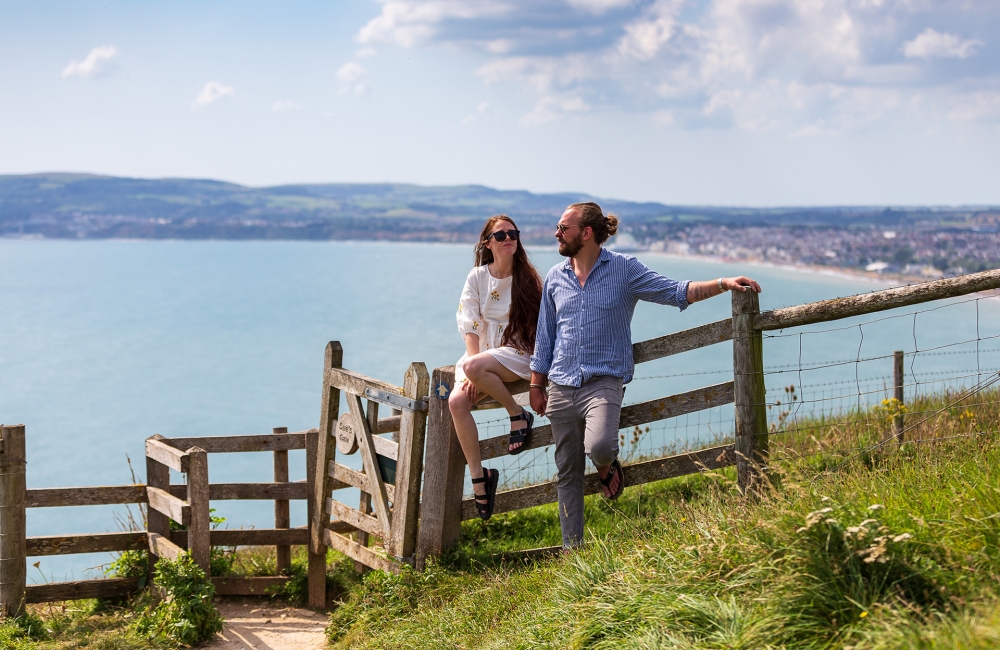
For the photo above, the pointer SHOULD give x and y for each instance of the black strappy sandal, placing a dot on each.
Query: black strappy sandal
(616, 467)
(485, 502)
(521, 436)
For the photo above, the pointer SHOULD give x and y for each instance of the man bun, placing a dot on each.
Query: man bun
(593, 217)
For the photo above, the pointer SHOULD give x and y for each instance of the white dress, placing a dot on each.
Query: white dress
(484, 310)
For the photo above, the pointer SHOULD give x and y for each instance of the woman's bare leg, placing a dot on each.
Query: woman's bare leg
(468, 433)
(489, 376)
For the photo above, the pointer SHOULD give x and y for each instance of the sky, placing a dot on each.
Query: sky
(705, 102)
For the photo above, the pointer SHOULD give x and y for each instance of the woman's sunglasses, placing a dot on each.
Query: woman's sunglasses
(502, 235)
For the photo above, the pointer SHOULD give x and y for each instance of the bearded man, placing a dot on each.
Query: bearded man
(583, 350)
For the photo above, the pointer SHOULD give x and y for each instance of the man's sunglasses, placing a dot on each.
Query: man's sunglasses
(502, 235)
(562, 229)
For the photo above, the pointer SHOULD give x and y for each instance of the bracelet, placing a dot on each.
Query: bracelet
(722, 288)
(536, 385)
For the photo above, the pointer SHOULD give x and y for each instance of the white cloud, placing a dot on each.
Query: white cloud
(211, 93)
(802, 67)
(92, 63)
(932, 43)
(353, 78)
(284, 106)
(410, 22)
(365, 52)
(976, 107)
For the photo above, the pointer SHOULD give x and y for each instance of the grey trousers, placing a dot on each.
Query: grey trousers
(584, 422)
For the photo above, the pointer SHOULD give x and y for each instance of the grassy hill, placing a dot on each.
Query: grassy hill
(91, 206)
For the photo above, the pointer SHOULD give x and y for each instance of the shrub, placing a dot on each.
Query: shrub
(185, 614)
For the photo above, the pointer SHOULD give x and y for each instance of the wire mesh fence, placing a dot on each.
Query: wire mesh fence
(829, 389)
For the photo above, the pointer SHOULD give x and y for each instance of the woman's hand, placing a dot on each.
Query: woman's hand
(470, 391)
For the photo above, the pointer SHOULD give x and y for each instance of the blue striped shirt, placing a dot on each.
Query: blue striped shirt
(586, 332)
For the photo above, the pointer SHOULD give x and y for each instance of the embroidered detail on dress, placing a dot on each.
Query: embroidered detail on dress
(475, 325)
(460, 308)
(494, 295)
(519, 353)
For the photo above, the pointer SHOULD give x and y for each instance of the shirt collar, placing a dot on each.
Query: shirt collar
(604, 257)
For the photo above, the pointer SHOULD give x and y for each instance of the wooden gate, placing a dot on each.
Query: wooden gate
(391, 468)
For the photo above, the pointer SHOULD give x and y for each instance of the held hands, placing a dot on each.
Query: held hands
(741, 283)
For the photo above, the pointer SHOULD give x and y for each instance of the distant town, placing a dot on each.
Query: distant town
(929, 250)
(911, 242)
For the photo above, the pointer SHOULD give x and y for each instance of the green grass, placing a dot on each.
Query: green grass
(893, 547)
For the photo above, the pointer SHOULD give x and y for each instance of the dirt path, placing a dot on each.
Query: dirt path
(258, 626)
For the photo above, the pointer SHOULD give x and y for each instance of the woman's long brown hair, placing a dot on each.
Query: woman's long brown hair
(525, 290)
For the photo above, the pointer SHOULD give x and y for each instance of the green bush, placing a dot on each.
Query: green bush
(185, 614)
(18, 633)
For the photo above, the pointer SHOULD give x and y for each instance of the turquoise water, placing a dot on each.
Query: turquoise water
(104, 343)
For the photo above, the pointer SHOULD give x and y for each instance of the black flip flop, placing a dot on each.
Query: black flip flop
(606, 481)
(491, 478)
(521, 436)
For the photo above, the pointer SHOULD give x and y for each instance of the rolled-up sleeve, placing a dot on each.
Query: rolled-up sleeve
(469, 317)
(545, 332)
(646, 284)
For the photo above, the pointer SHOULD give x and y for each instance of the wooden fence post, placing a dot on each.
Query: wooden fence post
(317, 562)
(748, 379)
(13, 543)
(325, 453)
(199, 530)
(897, 383)
(282, 513)
(444, 473)
(412, 431)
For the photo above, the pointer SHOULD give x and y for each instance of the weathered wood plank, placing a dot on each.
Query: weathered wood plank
(43, 545)
(157, 476)
(385, 447)
(409, 468)
(80, 589)
(101, 495)
(751, 407)
(634, 414)
(356, 518)
(282, 514)
(367, 448)
(444, 473)
(295, 490)
(316, 562)
(389, 424)
(353, 478)
(169, 505)
(636, 474)
(160, 546)
(355, 383)
(683, 341)
(13, 545)
(199, 545)
(238, 444)
(248, 586)
(867, 303)
(322, 485)
(360, 553)
(165, 454)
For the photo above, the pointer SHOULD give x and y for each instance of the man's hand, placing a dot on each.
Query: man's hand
(741, 283)
(539, 400)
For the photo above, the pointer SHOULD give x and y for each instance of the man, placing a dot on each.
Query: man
(583, 350)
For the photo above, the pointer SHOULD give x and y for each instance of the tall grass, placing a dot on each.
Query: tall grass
(882, 546)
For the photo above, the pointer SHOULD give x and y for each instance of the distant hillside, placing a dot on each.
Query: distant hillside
(90, 206)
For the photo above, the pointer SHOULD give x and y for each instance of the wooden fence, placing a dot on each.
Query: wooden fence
(443, 507)
(187, 505)
(391, 503)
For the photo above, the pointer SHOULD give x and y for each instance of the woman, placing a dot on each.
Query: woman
(497, 316)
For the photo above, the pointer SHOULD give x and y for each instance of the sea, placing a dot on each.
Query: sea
(105, 343)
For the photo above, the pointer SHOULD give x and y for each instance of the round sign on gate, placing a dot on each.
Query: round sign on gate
(347, 439)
